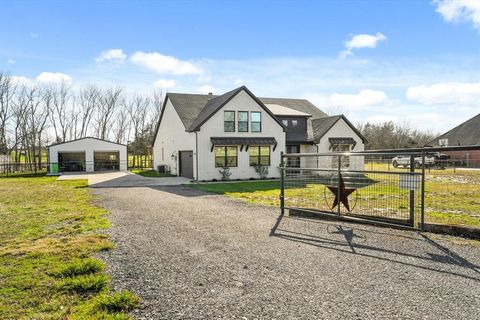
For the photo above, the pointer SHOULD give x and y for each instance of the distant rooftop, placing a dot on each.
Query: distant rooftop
(279, 110)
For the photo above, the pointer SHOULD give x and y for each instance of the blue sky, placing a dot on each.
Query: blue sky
(415, 61)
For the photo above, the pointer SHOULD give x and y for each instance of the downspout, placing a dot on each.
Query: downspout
(196, 155)
(316, 145)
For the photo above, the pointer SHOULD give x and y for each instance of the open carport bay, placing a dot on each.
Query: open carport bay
(192, 255)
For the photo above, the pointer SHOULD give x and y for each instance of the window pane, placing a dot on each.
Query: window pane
(242, 126)
(232, 151)
(229, 126)
(285, 123)
(219, 161)
(256, 116)
(219, 151)
(265, 161)
(253, 151)
(242, 116)
(254, 160)
(265, 151)
(231, 161)
(256, 126)
(294, 123)
(229, 115)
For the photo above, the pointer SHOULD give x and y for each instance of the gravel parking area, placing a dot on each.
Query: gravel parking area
(191, 255)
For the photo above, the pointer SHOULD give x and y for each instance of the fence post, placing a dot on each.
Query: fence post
(282, 183)
(422, 208)
(412, 192)
(339, 191)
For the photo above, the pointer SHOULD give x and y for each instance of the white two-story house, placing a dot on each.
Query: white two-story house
(199, 135)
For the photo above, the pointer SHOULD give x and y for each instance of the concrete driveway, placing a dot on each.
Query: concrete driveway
(193, 255)
(121, 179)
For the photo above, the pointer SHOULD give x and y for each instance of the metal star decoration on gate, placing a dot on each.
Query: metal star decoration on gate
(342, 194)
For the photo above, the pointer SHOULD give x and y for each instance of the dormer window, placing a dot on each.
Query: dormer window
(229, 121)
(285, 123)
(294, 123)
(242, 121)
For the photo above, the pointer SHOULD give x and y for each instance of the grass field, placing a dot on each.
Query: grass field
(49, 234)
(150, 173)
(451, 198)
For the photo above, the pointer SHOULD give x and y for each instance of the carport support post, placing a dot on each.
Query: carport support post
(282, 183)
(412, 192)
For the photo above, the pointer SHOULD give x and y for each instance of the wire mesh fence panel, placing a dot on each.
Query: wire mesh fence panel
(343, 184)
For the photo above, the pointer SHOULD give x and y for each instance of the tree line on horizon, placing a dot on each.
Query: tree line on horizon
(391, 135)
(34, 115)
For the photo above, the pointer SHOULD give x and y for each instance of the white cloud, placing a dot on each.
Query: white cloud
(53, 77)
(11, 61)
(358, 41)
(364, 99)
(459, 11)
(382, 118)
(445, 93)
(206, 89)
(21, 80)
(113, 55)
(165, 64)
(164, 84)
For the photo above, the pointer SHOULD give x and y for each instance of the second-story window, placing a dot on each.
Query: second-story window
(242, 121)
(229, 121)
(256, 121)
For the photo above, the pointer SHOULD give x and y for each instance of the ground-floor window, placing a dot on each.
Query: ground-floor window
(226, 157)
(259, 155)
(344, 159)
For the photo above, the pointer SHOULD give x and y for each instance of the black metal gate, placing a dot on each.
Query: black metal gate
(339, 184)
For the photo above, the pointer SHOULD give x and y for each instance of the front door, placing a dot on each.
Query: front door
(186, 164)
(295, 161)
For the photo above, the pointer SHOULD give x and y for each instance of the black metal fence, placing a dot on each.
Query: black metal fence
(36, 169)
(407, 187)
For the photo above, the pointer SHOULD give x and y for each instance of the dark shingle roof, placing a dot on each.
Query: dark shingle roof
(195, 109)
(211, 107)
(465, 134)
(321, 126)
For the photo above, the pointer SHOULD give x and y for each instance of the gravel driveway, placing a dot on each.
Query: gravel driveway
(191, 255)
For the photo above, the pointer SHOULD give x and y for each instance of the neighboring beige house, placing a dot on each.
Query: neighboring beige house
(198, 135)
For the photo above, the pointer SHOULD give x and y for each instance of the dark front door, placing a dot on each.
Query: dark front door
(293, 161)
(186, 164)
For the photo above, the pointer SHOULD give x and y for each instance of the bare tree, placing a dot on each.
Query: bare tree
(59, 113)
(138, 108)
(88, 99)
(7, 91)
(108, 102)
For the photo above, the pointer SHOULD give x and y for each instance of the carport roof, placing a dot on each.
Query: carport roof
(56, 144)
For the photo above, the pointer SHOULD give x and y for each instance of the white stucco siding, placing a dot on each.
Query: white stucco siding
(89, 146)
(341, 129)
(172, 138)
(214, 127)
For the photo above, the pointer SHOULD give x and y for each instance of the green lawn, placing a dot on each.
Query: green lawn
(151, 173)
(451, 198)
(49, 234)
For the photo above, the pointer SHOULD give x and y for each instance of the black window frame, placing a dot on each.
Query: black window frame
(225, 157)
(252, 122)
(258, 158)
(246, 122)
(229, 121)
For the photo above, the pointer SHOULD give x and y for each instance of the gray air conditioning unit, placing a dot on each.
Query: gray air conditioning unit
(163, 168)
